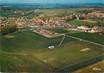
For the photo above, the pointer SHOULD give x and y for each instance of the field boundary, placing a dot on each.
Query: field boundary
(85, 40)
(73, 67)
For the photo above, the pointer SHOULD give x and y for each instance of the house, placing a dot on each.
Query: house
(83, 28)
(97, 29)
(95, 14)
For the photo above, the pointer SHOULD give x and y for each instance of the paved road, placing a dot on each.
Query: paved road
(62, 40)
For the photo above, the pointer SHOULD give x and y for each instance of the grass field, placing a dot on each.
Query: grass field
(59, 30)
(28, 52)
(82, 22)
(95, 68)
(94, 37)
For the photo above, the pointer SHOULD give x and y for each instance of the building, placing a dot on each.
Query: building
(96, 29)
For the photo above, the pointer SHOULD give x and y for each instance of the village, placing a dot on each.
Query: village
(40, 25)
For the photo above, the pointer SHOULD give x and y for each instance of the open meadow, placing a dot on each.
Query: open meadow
(26, 51)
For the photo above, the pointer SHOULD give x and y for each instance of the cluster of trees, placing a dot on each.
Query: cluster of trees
(5, 29)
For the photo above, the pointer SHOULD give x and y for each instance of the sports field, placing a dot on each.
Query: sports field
(27, 51)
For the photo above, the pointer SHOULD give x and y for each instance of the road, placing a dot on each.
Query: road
(85, 40)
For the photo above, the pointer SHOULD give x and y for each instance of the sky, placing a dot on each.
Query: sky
(52, 1)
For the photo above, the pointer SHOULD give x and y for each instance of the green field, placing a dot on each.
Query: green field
(81, 22)
(92, 68)
(25, 51)
(94, 37)
(59, 30)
